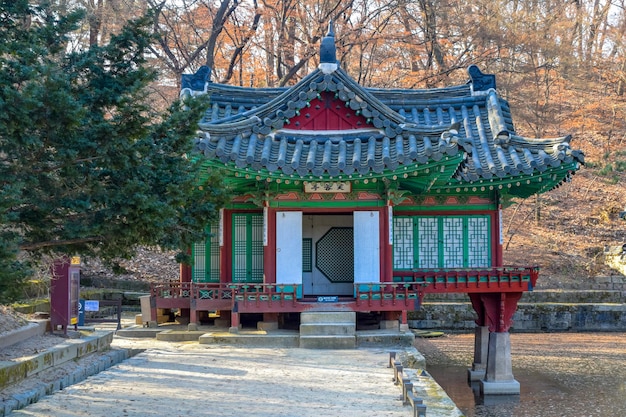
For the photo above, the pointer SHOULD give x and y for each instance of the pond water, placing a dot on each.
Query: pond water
(560, 375)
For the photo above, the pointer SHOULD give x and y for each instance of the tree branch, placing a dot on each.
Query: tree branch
(52, 243)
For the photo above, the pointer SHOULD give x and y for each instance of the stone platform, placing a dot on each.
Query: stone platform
(258, 338)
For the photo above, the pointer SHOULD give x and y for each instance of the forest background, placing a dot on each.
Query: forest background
(560, 64)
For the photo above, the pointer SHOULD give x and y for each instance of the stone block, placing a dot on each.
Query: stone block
(327, 329)
(389, 324)
(87, 347)
(104, 340)
(327, 342)
(500, 388)
(12, 373)
(267, 325)
(222, 322)
(328, 317)
(38, 363)
(64, 353)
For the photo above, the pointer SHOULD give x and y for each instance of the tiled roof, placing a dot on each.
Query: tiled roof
(400, 130)
(260, 138)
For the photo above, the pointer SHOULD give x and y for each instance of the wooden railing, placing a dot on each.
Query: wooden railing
(173, 289)
(405, 291)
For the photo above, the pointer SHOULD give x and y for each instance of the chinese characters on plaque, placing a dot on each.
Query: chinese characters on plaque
(327, 187)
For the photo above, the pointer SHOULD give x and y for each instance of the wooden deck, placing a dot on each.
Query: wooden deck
(405, 292)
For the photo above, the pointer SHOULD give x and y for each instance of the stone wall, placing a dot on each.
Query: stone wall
(538, 311)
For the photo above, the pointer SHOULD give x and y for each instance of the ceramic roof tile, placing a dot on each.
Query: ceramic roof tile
(250, 129)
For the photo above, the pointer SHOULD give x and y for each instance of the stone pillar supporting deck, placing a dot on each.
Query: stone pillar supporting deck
(495, 312)
(481, 348)
(499, 378)
(193, 316)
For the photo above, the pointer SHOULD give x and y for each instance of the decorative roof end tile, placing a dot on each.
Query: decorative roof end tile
(328, 52)
(197, 81)
(479, 80)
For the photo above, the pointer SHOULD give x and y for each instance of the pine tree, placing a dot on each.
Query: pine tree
(86, 165)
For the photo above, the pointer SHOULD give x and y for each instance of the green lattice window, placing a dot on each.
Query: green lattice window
(206, 258)
(428, 242)
(247, 247)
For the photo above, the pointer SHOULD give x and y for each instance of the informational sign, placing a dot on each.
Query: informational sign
(92, 305)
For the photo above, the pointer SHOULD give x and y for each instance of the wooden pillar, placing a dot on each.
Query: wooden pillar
(404, 323)
(497, 236)
(226, 246)
(269, 251)
(386, 253)
(234, 319)
(185, 276)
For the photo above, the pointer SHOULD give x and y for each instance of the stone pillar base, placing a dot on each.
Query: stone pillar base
(404, 327)
(192, 327)
(221, 322)
(500, 388)
(233, 329)
(267, 325)
(389, 324)
(499, 378)
(475, 374)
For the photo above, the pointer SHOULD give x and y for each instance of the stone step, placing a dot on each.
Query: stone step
(328, 342)
(327, 329)
(328, 317)
(283, 339)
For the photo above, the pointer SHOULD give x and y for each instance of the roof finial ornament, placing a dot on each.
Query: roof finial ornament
(328, 51)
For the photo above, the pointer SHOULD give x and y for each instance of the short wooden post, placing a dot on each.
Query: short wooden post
(397, 372)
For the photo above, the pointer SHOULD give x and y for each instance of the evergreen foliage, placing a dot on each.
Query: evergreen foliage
(86, 166)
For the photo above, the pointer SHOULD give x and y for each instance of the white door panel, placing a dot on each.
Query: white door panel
(289, 247)
(366, 246)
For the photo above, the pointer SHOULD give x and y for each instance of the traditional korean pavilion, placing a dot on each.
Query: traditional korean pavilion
(361, 199)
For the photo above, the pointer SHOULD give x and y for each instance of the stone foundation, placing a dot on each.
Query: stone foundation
(529, 317)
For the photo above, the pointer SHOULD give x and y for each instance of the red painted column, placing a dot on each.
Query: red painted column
(234, 322)
(498, 260)
(404, 323)
(499, 309)
(225, 249)
(185, 276)
(386, 252)
(185, 273)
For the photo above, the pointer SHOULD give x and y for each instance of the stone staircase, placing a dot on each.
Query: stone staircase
(328, 330)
